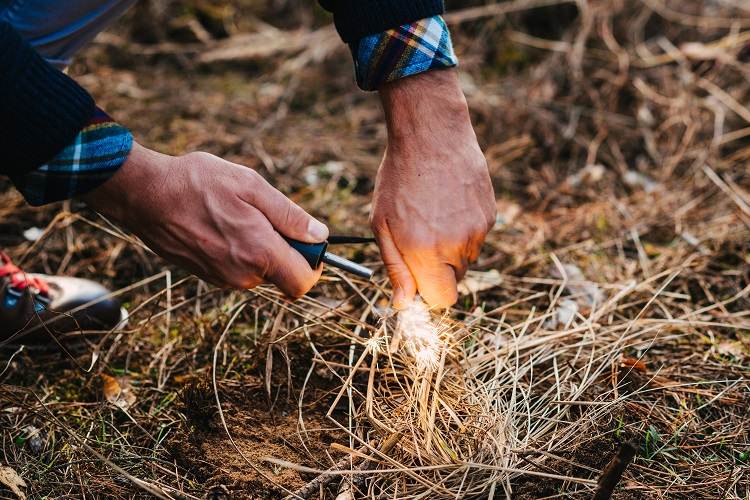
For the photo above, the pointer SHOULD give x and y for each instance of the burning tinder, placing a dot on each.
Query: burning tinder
(419, 335)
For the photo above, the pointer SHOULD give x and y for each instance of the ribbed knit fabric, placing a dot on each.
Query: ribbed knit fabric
(357, 19)
(41, 109)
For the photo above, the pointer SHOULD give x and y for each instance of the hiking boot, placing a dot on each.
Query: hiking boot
(34, 308)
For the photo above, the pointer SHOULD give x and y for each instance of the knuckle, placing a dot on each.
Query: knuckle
(248, 266)
(377, 222)
(294, 216)
(252, 181)
(459, 269)
(398, 273)
(258, 262)
(253, 176)
(395, 266)
(462, 263)
(255, 282)
(231, 281)
(479, 230)
(288, 215)
(198, 157)
(250, 281)
(473, 252)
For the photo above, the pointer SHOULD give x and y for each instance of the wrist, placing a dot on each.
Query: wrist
(124, 192)
(424, 104)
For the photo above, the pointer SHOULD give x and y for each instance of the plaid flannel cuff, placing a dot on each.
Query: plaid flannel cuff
(407, 50)
(93, 157)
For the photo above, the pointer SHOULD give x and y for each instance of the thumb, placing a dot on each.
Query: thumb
(287, 217)
(404, 286)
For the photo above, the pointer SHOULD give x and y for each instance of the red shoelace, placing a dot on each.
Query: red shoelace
(19, 279)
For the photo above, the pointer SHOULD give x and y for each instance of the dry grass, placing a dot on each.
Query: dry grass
(543, 385)
(617, 140)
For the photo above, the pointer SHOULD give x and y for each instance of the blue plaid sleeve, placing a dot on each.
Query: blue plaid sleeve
(407, 50)
(94, 156)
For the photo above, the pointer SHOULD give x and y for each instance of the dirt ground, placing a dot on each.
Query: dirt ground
(597, 125)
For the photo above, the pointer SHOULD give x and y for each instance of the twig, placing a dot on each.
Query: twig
(335, 471)
(347, 485)
(498, 9)
(612, 473)
(324, 479)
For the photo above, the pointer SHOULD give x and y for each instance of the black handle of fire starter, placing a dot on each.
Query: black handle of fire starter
(312, 252)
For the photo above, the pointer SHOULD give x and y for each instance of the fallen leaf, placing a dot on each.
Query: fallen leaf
(478, 281)
(118, 391)
(733, 349)
(14, 482)
(636, 364)
(586, 292)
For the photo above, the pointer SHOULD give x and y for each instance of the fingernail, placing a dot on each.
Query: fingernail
(317, 230)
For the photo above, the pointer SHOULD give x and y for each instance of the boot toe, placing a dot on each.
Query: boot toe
(86, 300)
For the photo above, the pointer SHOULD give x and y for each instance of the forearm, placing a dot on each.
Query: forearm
(41, 109)
(141, 174)
(57, 144)
(413, 105)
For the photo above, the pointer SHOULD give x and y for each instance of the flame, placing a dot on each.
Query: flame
(420, 335)
(374, 344)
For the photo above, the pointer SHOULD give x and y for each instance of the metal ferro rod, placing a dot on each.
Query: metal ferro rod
(347, 265)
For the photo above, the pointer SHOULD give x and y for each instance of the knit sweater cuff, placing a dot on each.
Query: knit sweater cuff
(357, 19)
(41, 109)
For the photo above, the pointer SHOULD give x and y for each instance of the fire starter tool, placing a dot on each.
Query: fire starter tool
(315, 253)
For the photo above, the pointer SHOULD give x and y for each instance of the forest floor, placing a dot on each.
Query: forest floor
(617, 276)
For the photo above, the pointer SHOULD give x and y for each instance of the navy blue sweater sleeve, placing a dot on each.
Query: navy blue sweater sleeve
(357, 19)
(41, 108)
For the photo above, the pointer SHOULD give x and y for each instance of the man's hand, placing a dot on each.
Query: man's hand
(219, 220)
(433, 201)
